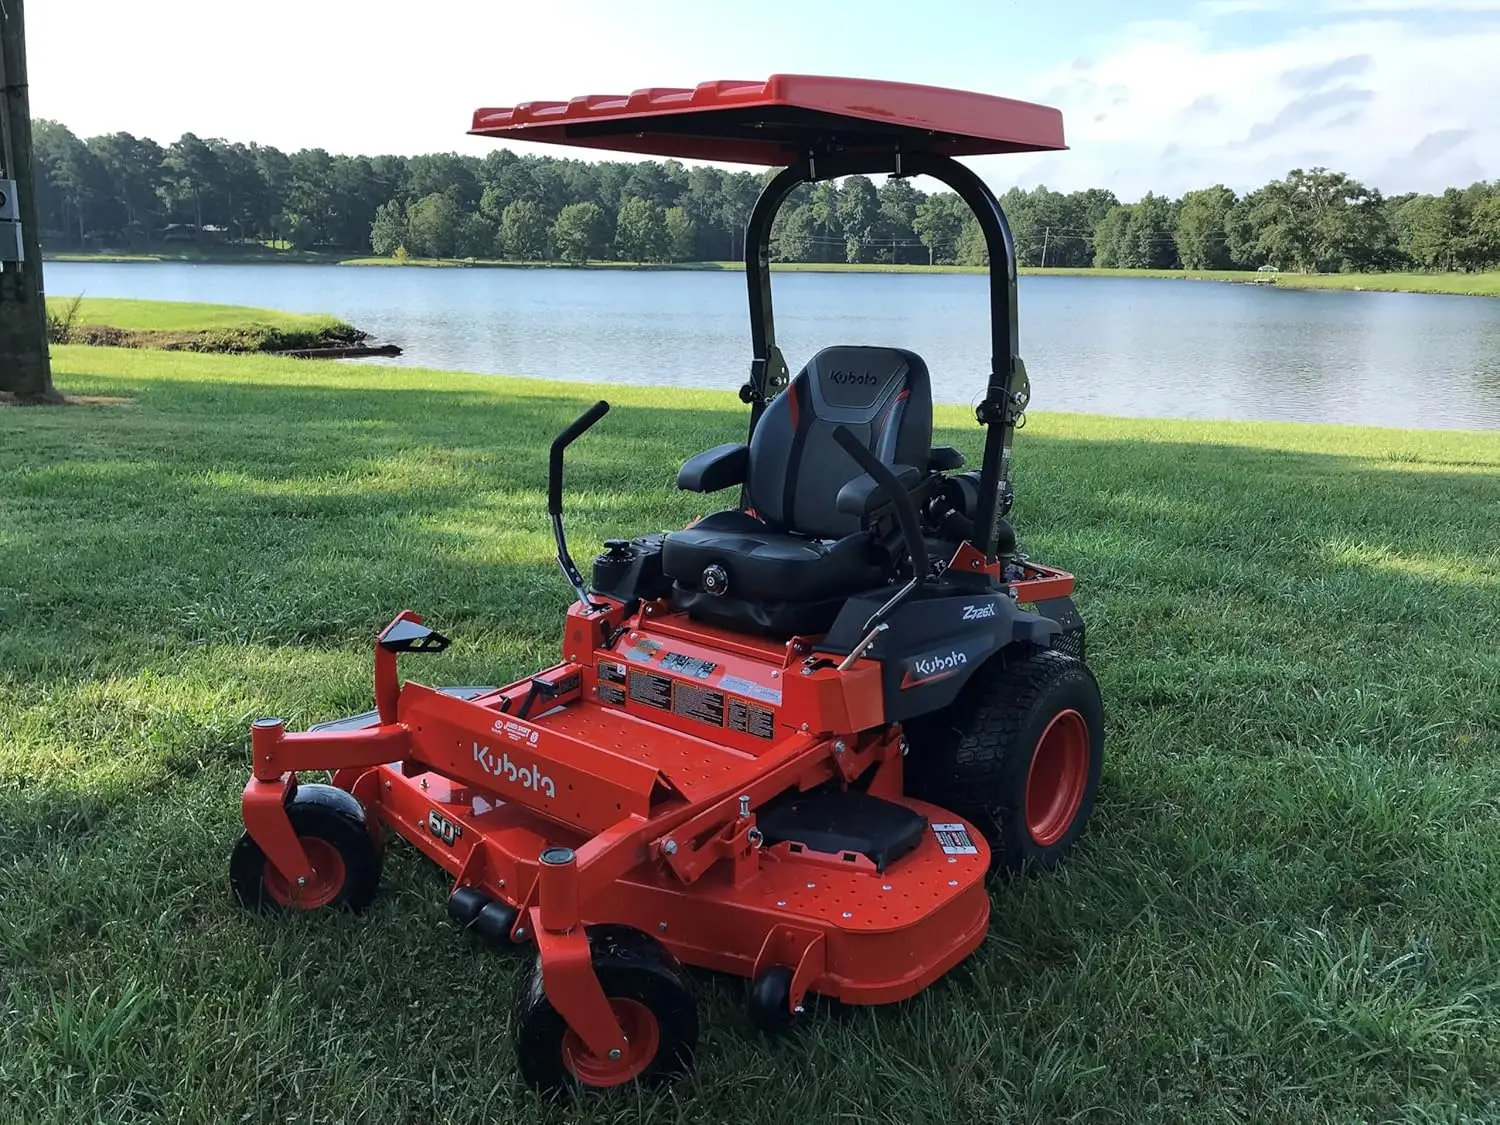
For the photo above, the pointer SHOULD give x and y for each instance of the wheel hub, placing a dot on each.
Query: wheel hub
(324, 886)
(1059, 772)
(642, 1039)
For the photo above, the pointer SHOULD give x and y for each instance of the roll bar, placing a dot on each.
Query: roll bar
(1008, 388)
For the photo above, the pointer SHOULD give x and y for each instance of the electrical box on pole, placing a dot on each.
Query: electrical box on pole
(12, 246)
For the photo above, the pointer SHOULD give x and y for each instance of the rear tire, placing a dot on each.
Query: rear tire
(1018, 754)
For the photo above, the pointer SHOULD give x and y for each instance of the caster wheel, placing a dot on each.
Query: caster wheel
(494, 923)
(346, 863)
(650, 996)
(769, 1002)
(465, 904)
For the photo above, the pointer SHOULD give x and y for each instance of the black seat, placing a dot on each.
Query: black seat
(800, 546)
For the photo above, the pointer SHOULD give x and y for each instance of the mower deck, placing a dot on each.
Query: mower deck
(872, 937)
(665, 742)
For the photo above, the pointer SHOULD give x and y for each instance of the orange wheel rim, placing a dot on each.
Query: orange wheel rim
(1058, 775)
(324, 886)
(643, 1038)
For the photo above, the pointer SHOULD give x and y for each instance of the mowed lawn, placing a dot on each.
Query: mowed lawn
(1287, 909)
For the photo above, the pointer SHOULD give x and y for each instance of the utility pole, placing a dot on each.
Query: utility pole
(1046, 234)
(25, 364)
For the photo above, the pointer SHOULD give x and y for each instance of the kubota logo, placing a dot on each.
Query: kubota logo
(853, 378)
(525, 775)
(931, 665)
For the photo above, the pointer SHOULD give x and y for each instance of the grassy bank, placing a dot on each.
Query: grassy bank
(189, 326)
(1287, 910)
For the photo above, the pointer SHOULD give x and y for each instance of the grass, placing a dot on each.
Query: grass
(188, 326)
(1287, 908)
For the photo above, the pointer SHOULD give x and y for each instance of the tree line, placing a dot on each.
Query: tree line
(122, 192)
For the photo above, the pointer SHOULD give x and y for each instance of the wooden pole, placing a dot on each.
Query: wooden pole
(25, 365)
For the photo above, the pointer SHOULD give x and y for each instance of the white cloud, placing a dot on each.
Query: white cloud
(1372, 6)
(1239, 7)
(1400, 105)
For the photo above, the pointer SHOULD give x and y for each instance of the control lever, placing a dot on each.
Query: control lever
(911, 533)
(554, 496)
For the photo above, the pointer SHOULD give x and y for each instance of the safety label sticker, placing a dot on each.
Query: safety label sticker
(609, 670)
(654, 691)
(701, 703)
(954, 839)
(747, 718)
(610, 693)
(741, 686)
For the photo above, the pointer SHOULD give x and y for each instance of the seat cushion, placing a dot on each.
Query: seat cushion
(760, 564)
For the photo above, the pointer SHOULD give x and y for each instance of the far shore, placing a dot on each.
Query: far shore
(1453, 284)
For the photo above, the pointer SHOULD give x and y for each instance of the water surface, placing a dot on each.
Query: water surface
(1140, 347)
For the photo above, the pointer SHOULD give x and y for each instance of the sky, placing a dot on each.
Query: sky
(1156, 96)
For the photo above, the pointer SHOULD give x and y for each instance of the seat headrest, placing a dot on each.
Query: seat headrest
(851, 384)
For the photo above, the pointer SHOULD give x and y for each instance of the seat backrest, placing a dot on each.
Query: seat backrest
(881, 395)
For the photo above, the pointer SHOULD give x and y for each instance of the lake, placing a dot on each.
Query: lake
(1139, 347)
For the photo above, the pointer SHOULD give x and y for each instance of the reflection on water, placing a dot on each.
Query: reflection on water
(1107, 345)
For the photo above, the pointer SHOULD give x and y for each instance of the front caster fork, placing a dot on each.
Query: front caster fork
(568, 977)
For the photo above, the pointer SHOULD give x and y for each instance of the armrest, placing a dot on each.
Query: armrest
(715, 468)
(944, 459)
(863, 495)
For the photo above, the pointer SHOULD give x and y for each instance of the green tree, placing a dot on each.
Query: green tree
(389, 229)
(76, 197)
(476, 236)
(972, 248)
(898, 201)
(938, 222)
(1114, 241)
(737, 200)
(703, 202)
(580, 232)
(1316, 220)
(444, 173)
(133, 166)
(523, 231)
(434, 225)
(246, 199)
(1481, 245)
(1202, 241)
(1153, 223)
(192, 181)
(858, 212)
(793, 241)
(682, 234)
(640, 231)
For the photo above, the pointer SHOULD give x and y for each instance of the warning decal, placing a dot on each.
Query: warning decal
(609, 693)
(954, 839)
(747, 718)
(609, 670)
(701, 703)
(653, 691)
